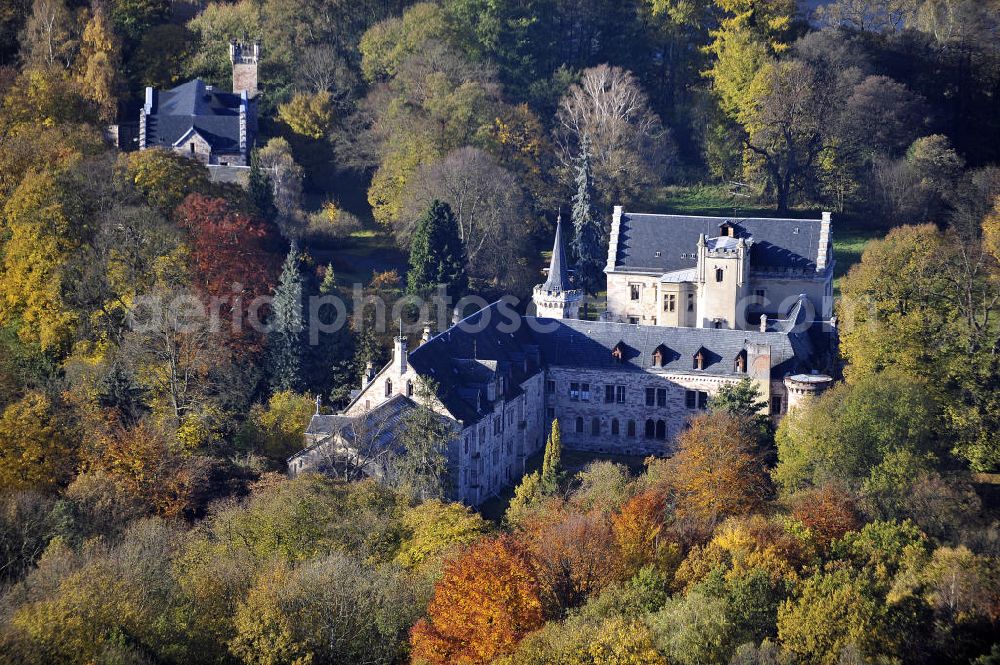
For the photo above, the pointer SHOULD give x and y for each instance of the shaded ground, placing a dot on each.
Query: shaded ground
(572, 463)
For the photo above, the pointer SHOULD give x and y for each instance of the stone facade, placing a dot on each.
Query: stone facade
(717, 273)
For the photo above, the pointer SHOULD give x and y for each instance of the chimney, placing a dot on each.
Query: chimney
(369, 374)
(399, 353)
(823, 251)
(426, 337)
(763, 322)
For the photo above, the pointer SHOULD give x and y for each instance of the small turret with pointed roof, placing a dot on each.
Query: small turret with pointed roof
(558, 279)
(556, 298)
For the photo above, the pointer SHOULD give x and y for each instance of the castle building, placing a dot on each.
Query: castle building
(213, 126)
(716, 272)
(502, 377)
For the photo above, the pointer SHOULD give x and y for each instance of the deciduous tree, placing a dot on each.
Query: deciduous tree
(486, 601)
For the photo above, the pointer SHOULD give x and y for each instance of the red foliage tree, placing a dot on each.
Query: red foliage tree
(234, 258)
(486, 600)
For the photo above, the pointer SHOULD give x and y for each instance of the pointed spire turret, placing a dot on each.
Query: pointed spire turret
(556, 298)
(558, 279)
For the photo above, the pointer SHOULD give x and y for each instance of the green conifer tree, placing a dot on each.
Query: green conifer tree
(587, 245)
(551, 460)
(261, 189)
(436, 254)
(329, 283)
(285, 336)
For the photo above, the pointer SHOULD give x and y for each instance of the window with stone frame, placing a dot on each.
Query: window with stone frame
(609, 394)
(584, 392)
(661, 430)
(631, 428)
(620, 394)
(579, 425)
(669, 302)
(574, 392)
(776, 403)
(634, 291)
(650, 428)
(550, 386)
(719, 274)
(696, 399)
(690, 302)
(661, 397)
(615, 431)
(650, 396)
(595, 426)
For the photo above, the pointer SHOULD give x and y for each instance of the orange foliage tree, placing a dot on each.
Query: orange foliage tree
(715, 473)
(575, 556)
(641, 535)
(828, 511)
(486, 600)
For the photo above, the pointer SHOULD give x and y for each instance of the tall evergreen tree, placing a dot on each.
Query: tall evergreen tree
(436, 254)
(261, 189)
(285, 336)
(551, 460)
(587, 245)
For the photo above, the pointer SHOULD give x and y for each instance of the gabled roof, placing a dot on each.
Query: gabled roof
(380, 424)
(195, 106)
(667, 243)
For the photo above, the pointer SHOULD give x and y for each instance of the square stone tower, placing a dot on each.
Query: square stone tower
(244, 58)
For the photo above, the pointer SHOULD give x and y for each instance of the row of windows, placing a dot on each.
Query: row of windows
(615, 394)
(654, 429)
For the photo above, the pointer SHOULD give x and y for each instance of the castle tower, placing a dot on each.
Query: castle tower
(244, 58)
(723, 278)
(555, 299)
(803, 387)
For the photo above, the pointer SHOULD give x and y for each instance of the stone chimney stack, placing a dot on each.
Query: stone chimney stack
(426, 337)
(400, 353)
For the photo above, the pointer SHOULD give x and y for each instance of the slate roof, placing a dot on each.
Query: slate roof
(381, 422)
(214, 114)
(777, 243)
(558, 279)
(576, 343)
(466, 357)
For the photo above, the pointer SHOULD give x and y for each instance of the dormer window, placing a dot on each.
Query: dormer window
(740, 364)
(727, 230)
(699, 360)
(660, 356)
(618, 353)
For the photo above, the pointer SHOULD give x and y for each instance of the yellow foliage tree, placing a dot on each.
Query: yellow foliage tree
(38, 244)
(100, 69)
(36, 448)
(309, 115)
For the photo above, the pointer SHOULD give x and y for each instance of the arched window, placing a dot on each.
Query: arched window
(650, 429)
(719, 274)
(409, 388)
(595, 426)
(661, 430)
(631, 428)
(614, 427)
(388, 387)
(579, 425)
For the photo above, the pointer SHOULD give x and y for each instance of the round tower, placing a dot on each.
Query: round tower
(803, 387)
(555, 299)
